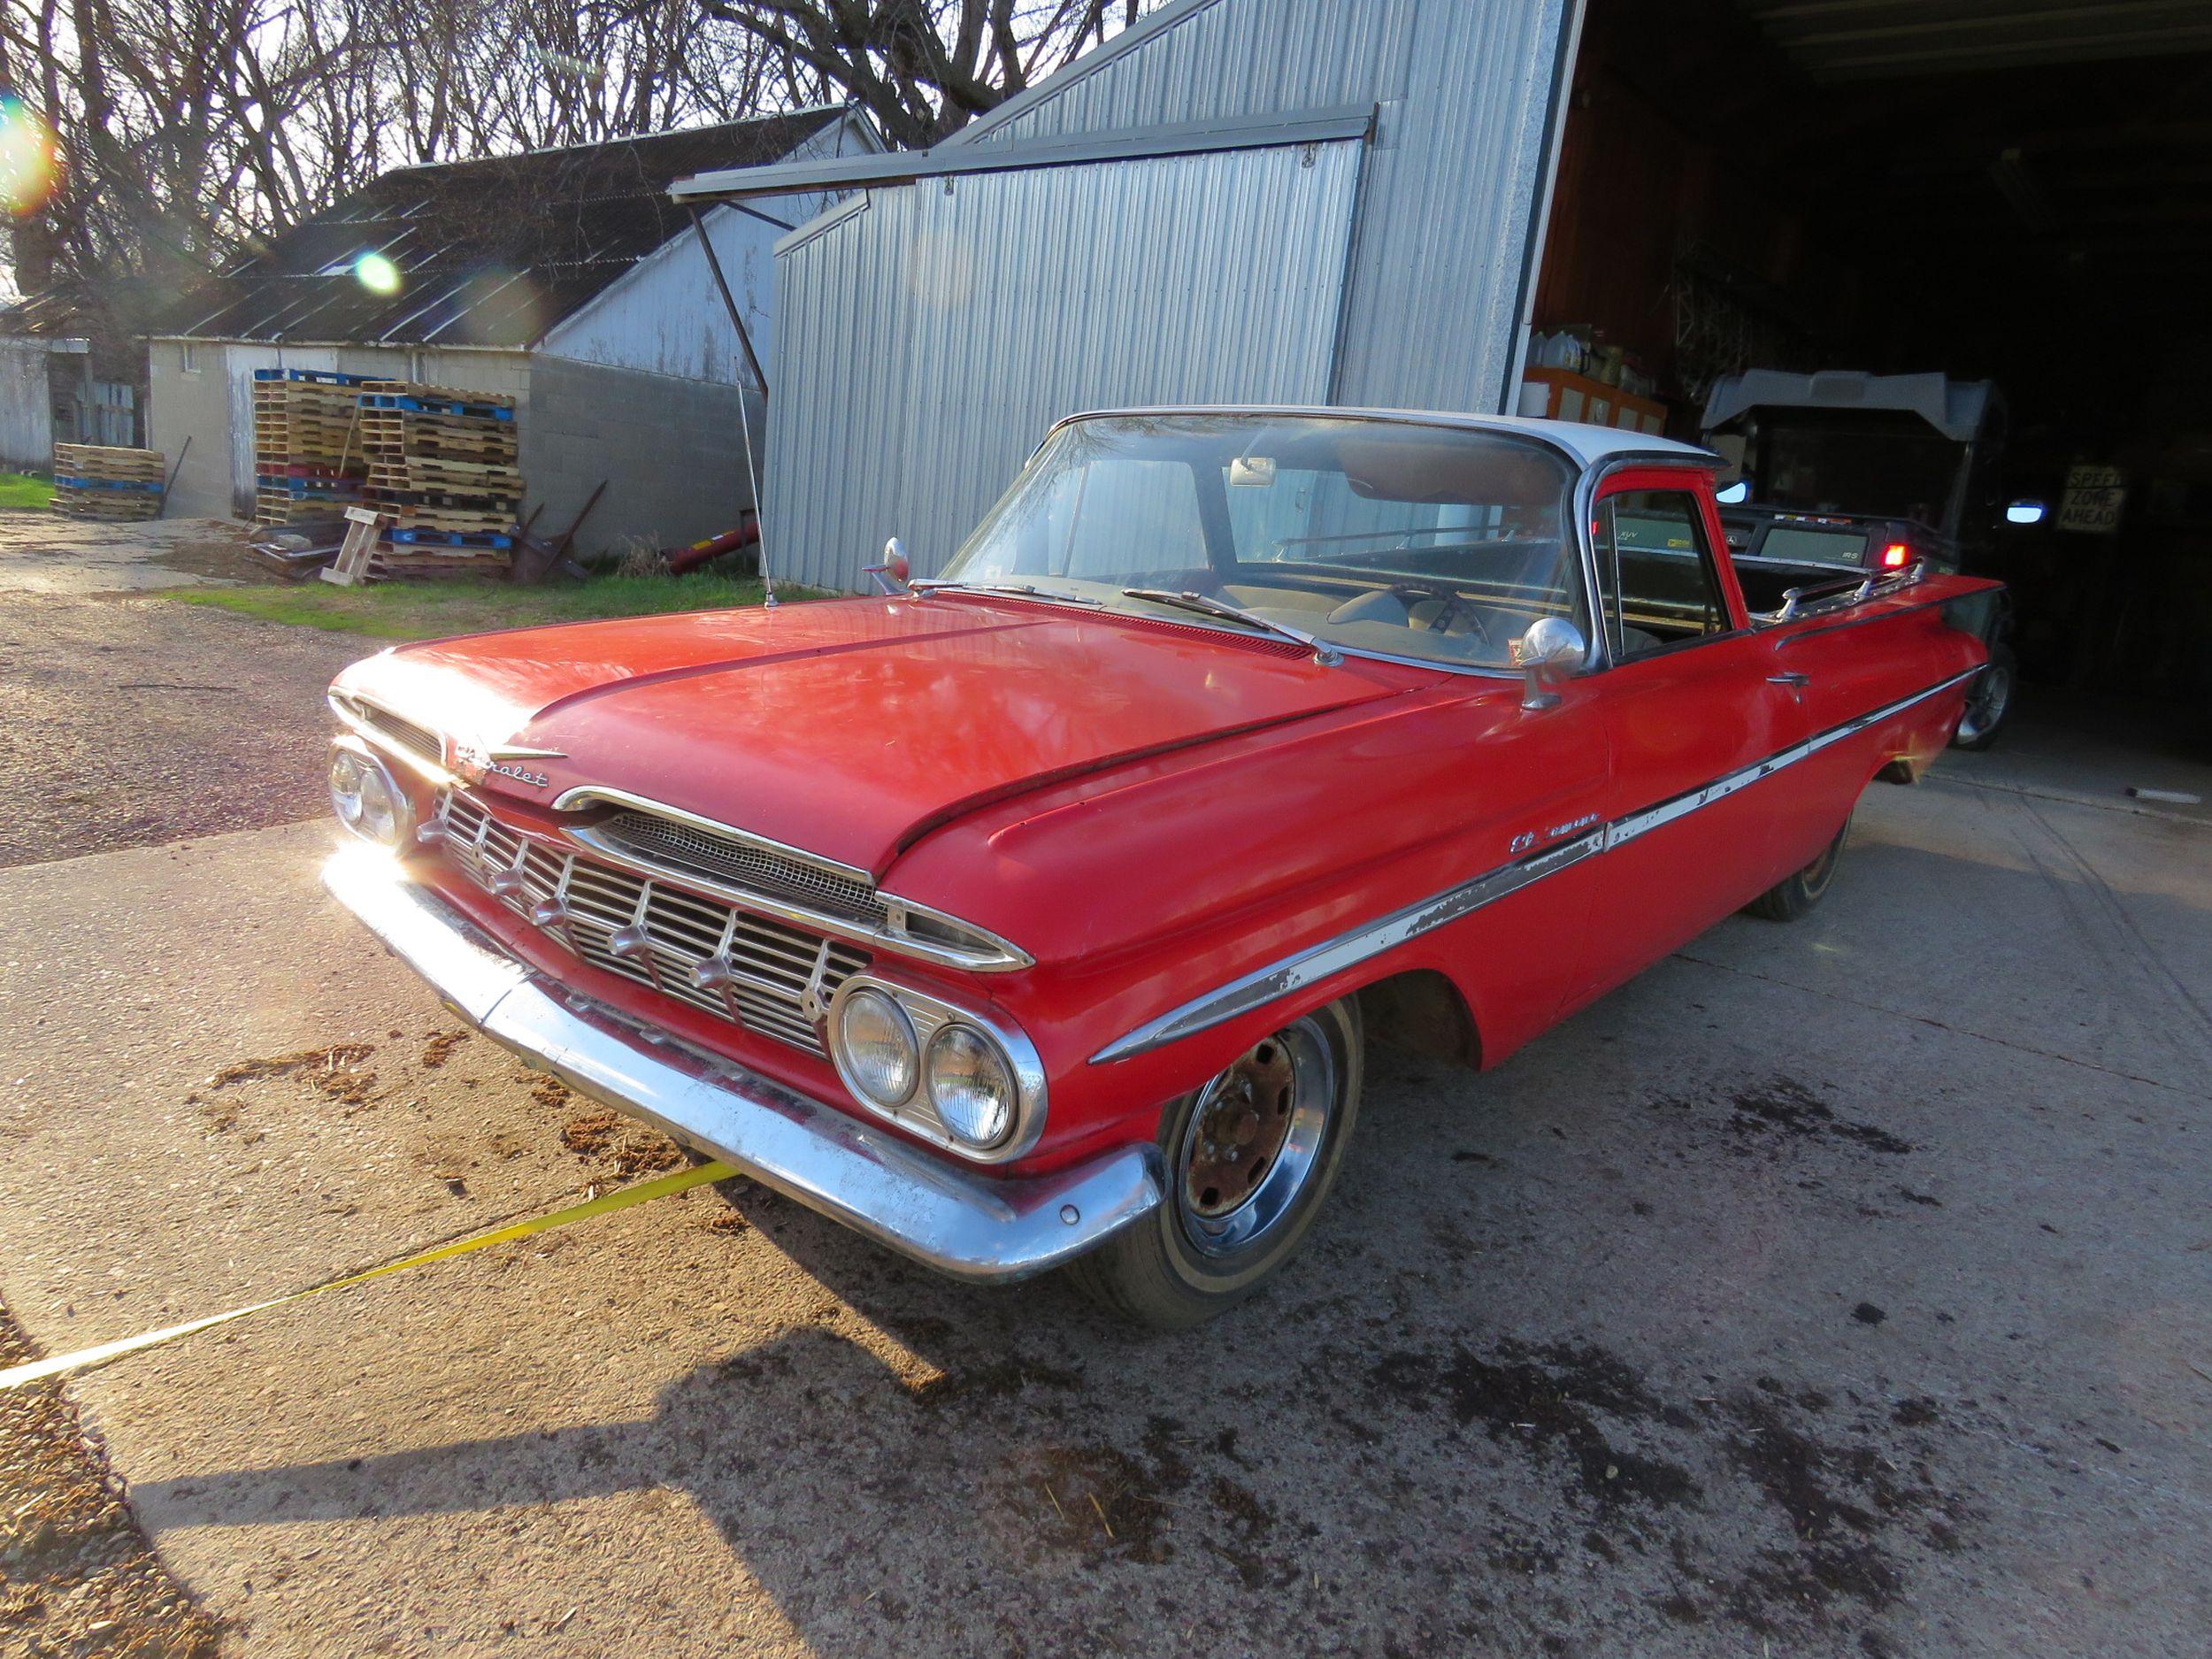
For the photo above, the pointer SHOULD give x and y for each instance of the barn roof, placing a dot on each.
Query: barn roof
(488, 252)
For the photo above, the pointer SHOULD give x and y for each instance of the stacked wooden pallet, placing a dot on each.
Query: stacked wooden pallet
(307, 456)
(442, 469)
(94, 480)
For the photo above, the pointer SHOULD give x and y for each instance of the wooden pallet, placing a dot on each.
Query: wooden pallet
(106, 462)
(108, 506)
(399, 562)
(423, 389)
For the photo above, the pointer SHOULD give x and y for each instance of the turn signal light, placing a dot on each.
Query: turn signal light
(1894, 555)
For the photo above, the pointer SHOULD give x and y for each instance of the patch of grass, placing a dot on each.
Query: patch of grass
(429, 609)
(19, 490)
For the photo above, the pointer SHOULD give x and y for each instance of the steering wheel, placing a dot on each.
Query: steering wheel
(1454, 602)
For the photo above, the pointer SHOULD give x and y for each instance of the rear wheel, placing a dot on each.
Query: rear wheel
(1787, 899)
(1988, 700)
(1249, 1158)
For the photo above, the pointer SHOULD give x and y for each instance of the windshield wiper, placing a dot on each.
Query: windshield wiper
(1026, 591)
(1207, 605)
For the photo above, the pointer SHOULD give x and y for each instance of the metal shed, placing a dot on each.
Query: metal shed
(1235, 201)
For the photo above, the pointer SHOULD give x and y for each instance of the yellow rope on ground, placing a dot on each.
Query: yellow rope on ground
(605, 1204)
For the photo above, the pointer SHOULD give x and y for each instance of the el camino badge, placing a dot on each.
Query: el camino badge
(1528, 838)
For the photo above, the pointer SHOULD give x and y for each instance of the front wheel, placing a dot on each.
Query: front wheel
(1787, 899)
(1987, 701)
(1249, 1158)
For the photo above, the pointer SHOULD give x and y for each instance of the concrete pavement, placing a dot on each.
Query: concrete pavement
(1834, 1287)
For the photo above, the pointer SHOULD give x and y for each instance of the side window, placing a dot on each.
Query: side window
(1655, 572)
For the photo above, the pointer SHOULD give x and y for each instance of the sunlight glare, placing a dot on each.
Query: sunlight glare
(30, 159)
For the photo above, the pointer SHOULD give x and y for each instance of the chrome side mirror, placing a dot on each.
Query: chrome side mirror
(1551, 649)
(893, 574)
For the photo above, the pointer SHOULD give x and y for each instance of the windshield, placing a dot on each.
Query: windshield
(1385, 536)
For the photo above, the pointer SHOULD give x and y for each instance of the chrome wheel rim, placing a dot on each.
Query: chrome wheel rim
(1985, 703)
(1254, 1140)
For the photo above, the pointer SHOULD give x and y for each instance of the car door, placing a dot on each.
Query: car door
(1689, 701)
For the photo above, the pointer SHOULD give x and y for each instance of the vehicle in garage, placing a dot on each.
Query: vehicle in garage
(1875, 472)
(1040, 914)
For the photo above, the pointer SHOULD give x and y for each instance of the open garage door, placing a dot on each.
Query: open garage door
(1213, 277)
(2004, 196)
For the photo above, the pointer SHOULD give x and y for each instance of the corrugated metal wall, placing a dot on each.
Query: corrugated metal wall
(887, 411)
(27, 413)
(1465, 87)
(930, 339)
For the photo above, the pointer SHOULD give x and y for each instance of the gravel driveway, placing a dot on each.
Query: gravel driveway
(129, 720)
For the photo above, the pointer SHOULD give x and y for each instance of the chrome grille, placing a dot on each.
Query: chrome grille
(415, 740)
(780, 978)
(738, 863)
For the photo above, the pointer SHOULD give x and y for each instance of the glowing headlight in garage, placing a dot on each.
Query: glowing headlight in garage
(366, 799)
(971, 1085)
(875, 1041)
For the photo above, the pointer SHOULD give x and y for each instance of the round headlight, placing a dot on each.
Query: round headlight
(971, 1085)
(366, 800)
(875, 1039)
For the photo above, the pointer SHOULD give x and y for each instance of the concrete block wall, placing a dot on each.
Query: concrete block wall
(195, 404)
(669, 450)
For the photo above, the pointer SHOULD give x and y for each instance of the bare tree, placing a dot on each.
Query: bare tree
(924, 68)
(191, 132)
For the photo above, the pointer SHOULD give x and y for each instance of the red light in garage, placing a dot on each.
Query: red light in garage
(1894, 555)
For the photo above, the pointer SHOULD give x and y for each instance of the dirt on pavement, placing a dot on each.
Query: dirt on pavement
(131, 721)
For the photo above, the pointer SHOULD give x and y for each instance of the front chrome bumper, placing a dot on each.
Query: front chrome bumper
(971, 1226)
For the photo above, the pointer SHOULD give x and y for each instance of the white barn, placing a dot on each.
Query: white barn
(566, 279)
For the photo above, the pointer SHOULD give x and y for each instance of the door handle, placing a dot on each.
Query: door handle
(1793, 680)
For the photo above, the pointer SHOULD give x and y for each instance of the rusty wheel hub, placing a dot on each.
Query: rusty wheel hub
(1240, 1128)
(1254, 1138)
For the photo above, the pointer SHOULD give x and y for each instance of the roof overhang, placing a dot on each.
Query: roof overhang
(1184, 138)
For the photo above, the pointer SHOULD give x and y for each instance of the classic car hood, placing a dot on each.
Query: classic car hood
(852, 728)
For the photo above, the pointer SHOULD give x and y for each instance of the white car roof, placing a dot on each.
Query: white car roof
(1591, 445)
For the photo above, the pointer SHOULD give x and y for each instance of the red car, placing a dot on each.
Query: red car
(1042, 914)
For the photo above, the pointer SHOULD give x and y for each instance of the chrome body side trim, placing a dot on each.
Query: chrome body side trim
(969, 1225)
(1319, 962)
(1316, 962)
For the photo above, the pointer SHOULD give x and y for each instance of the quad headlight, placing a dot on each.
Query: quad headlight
(965, 1079)
(971, 1085)
(876, 1047)
(366, 798)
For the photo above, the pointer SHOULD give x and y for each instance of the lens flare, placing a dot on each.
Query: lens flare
(30, 159)
(376, 273)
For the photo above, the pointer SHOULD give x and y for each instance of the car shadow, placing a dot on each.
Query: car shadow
(1410, 1444)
